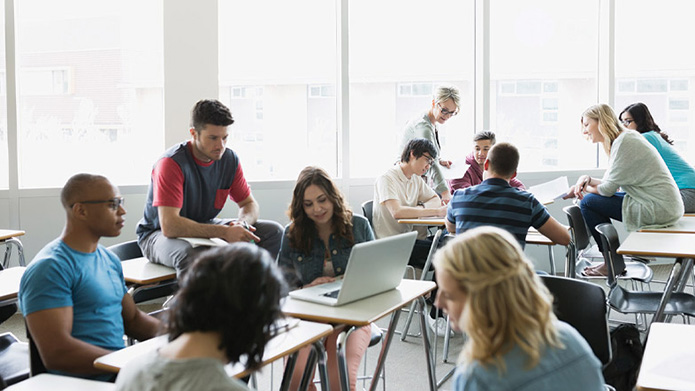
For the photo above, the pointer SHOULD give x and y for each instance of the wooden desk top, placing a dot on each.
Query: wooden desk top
(361, 312)
(9, 233)
(685, 225)
(288, 342)
(668, 358)
(659, 244)
(141, 271)
(535, 237)
(9, 282)
(47, 381)
(430, 221)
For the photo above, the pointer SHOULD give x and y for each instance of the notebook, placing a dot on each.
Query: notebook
(373, 267)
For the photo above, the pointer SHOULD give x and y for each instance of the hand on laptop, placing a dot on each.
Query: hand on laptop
(319, 281)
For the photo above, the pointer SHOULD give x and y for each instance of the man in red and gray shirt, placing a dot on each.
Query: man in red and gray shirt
(189, 186)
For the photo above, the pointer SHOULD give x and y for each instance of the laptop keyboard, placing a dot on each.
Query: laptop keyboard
(333, 294)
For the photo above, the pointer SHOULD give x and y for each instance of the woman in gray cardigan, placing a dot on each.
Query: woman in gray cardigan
(649, 196)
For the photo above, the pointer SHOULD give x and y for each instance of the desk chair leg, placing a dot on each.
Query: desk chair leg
(8, 251)
(287, 374)
(679, 270)
(447, 339)
(551, 257)
(425, 269)
(317, 355)
(341, 346)
(385, 345)
(426, 342)
(323, 370)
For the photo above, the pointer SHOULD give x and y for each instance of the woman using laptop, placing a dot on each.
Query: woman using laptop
(315, 249)
(491, 292)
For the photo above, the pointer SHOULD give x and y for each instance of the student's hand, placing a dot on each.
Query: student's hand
(237, 232)
(441, 212)
(446, 197)
(445, 163)
(569, 194)
(319, 281)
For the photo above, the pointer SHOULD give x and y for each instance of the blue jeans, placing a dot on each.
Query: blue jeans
(597, 209)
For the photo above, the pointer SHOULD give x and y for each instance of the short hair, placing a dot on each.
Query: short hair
(418, 146)
(210, 112)
(644, 120)
(485, 135)
(506, 304)
(303, 231)
(445, 92)
(504, 159)
(76, 186)
(608, 124)
(234, 290)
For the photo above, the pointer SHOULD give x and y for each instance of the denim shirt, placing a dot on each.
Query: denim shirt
(308, 267)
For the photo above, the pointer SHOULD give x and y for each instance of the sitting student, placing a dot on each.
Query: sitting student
(515, 342)
(224, 311)
(315, 249)
(73, 295)
(482, 142)
(495, 202)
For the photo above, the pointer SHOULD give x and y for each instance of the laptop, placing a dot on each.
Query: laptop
(373, 267)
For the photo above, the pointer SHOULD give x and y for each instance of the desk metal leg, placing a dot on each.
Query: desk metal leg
(426, 342)
(9, 242)
(317, 354)
(425, 269)
(676, 280)
(385, 345)
(551, 256)
(570, 260)
(341, 345)
(287, 374)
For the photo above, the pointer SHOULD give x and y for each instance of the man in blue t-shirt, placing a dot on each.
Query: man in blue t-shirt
(495, 202)
(73, 295)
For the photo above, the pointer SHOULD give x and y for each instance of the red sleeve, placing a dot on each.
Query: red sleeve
(167, 184)
(517, 183)
(461, 183)
(240, 190)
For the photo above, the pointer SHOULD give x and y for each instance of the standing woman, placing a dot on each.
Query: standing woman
(491, 292)
(649, 196)
(637, 117)
(315, 249)
(445, 104)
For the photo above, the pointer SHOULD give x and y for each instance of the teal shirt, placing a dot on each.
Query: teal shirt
(682, 172)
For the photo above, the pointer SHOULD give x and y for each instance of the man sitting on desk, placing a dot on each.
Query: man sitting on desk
(495, 202)
(73, 294)
(189, 186)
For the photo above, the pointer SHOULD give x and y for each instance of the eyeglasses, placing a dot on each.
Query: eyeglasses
(430, 159)
(627, 122)
(114, 203)
(446, 112)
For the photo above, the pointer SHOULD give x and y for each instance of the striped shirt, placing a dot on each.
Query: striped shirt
(494, 202)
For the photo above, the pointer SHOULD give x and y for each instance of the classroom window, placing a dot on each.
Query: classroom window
(394, 71)
(4, 153)
(662, 79)
(290, 58)
(541, 117)
(89, 90)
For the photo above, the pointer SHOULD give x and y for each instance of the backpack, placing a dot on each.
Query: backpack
(626, 345)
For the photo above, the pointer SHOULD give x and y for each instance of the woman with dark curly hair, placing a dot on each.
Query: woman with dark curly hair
(315, 249)
(637, 117)
(226, 307)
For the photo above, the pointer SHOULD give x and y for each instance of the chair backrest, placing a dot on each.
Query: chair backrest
(582, 305)
(14, 360)
(367, 211)
(126, 250)
(610, 243)
(578, 229)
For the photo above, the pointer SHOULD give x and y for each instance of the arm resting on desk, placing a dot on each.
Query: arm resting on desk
(175, 226)
(432, 207)
(555, 231)
(136, 323)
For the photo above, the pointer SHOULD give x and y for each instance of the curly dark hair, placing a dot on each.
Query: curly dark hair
(233, 290)
(210, 112)
(644, 120)
(303, 230)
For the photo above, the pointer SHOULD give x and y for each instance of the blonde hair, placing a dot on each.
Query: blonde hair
(506, 303)
(445, 92)
(608, 124)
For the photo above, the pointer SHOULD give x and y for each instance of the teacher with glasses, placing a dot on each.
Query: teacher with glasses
(445, 104)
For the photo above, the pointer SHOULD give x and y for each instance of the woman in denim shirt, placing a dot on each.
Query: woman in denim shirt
(315, 249)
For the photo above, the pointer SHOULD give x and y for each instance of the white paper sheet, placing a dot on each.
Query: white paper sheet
(457, 169)
(548, 192)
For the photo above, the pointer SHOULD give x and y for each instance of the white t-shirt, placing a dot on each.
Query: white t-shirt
(394, 185)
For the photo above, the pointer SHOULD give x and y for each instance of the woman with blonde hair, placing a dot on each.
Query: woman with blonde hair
(649, 196)
(515, 342)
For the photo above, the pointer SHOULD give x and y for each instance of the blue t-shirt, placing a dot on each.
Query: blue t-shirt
(682, 172)
(494, 202)
(574, 368)
(91, 283)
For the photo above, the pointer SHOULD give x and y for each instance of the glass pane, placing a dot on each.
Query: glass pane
(4, 161)
(543, 56)
(400, 51)
(658, 64)
(90, 90)
(277, 75)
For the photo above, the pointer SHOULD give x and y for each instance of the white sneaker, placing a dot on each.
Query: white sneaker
(438, 326)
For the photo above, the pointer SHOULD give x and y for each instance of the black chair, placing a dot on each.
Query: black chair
(631, 302)
(582, 305)
(635, 269)
(367, 208)
(14, 359)
(130, 250)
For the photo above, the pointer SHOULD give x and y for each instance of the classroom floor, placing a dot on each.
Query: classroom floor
(405, 364)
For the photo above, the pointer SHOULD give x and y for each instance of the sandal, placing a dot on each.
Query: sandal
(593, 272)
